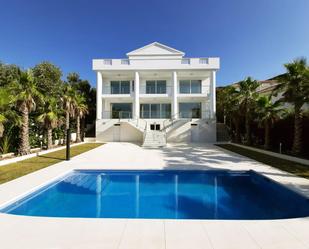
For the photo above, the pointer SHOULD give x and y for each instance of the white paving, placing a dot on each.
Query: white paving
(62, 233)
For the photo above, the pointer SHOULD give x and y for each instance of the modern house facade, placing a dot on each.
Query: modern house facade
(156, 95)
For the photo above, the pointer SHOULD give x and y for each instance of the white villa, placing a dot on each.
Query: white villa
(156, 95)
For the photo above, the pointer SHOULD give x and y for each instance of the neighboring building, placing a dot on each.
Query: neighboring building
(156, 96)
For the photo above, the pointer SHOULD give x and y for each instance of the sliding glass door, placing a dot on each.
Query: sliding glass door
(155, 111)
(190, 110)
(121, 110)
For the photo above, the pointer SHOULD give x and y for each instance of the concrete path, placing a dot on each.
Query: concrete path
(55, 233)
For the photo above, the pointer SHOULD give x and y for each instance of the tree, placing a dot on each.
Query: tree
(294, 87)
(81, 110)
(25, 95)
(268, 112)
(48, 78)
(230, 109)
(8, 74)
(247, 99)
(84, 88)
(4, 105)
(50, 117)
(69, 105)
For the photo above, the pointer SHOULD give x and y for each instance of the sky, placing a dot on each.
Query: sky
(252, 38)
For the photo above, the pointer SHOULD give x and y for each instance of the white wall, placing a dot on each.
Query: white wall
(127, 134)
(181, 132)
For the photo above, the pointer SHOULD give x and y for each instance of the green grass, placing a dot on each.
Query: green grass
(282, 164)
(14, 170)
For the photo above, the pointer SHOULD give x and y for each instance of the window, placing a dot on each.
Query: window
(196, 86)
(115, 87)
(155, 111)
(150, 87)
(161, 86)
(185, 61)
(165, 110)
(190, 86)
(184, 86)
(120, 87)
(203, 61)
(155, 86)
(107, 62)
(121, 110)
(125, 62)
(190, 110)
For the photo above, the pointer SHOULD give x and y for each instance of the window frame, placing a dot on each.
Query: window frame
(120, 86)
(156, 86)
(190, 86)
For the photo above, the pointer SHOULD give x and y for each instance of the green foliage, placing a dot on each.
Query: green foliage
(294, 83)
(40, 94)
(8, 74)
(5, 142)
(48, 78)
(267, 110)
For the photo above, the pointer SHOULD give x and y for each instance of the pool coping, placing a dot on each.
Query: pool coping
(137, 233)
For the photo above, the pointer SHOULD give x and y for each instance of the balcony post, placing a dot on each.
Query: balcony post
(99, 95)
(136, 95)
(213, 95)
(175, 92)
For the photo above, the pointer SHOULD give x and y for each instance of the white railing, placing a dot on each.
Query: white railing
(157, 90)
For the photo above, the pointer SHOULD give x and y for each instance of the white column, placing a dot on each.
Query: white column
(213, 95)
(136, 95)
(99, 95)
(175, 92)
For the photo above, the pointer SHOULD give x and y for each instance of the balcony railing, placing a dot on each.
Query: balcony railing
(156, 90)
(117, 115)
(168, 90)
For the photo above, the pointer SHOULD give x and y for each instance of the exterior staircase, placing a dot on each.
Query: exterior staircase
(154, 139)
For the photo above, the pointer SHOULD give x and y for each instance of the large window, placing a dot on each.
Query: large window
(155, 111)
(190, 86)
(121, 110)
(190, 110)
(120, 87)
(155, 86)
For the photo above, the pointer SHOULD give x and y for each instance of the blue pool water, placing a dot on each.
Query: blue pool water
(163, 194)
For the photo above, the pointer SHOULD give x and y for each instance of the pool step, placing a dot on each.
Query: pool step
(88, 182)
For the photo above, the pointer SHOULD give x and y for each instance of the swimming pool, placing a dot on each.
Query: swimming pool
(163, 194)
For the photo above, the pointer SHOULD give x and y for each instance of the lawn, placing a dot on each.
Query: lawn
(289, 166)
(14, 170)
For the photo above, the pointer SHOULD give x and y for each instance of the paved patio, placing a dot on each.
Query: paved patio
(56, 233)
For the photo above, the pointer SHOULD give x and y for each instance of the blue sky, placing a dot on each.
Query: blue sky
(253, 38)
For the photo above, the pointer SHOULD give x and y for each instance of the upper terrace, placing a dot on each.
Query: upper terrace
(156, 56)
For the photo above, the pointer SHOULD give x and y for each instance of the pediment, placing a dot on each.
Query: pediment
(155, 49)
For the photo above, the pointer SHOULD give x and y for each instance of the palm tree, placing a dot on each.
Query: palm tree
(247, 99)
(50, 117)
(294, 87)
(230, 109)
(81, 110)
(69, 103)
(268, 112)
(25, 95)
(4, 104)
